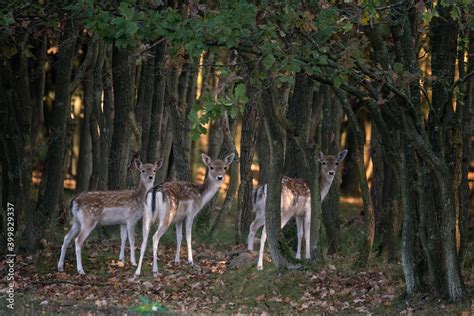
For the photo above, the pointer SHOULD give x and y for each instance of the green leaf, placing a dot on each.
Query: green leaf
(132, 28)
(337, 81)
(144, 299)
(398, 67)
(239, 90)
(268, 61)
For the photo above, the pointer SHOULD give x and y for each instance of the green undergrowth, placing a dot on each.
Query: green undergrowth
(249, 288)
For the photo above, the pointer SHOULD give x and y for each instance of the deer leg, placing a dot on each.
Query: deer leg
(262, 247)
(123, 238)
(147, 216)
(189, 229)
(67, 239)
(256, 224)
(131, 241)
(85, 231)
(179, 237)
(156, 240)
(299, 234)
(307, 228)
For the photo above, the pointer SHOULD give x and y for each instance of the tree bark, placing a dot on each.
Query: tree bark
(276, 140)
(157, 123)
(84, 164)
(182, 167)
(299, 107)
(250, 127)
(467, 116)
(412, 280)
(145, 103)
(107, 120)
(38, 87)
(96, 119)
(443, 133)
(366, 247)
(330, 138)
(54, 175)
(123, 80)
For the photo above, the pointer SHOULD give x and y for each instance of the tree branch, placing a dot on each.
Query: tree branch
(85, 67)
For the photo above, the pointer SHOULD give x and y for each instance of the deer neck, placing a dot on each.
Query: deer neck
(208, 189)
(141, 191)
(325, 182)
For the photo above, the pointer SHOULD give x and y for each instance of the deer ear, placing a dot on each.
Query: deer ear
(228, 159)
(321, 156)
(342, 154)
(137, 163)
(159, 163)
(206, 159)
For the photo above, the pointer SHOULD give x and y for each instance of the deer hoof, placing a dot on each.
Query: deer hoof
(259, 267)
(81, 272)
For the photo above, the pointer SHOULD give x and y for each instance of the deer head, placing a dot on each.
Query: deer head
(330, 163)
(217, 168)
(147, 171)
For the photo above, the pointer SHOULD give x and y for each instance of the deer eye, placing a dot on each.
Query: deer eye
(337, 164)
(324, 163)
(154, 170)
(143, 171)
(225, 168)
(212, 168)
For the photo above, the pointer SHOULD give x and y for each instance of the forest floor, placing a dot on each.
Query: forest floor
(214, 285)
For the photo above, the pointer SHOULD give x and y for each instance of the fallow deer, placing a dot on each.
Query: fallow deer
(179, 202)
(295, 201)
(105, 208)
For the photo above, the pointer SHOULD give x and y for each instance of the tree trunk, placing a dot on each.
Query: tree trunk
(54, 174)
(182, 167)
(263, 152)
(38, 87)
(276, 140)
(443, 135)
(157, 123)
(412, 280)
(366, 247)
(145, 103)
(107, 121)
(96, 120)
(123, 80)
(84, 165)
(215, 138)
(467, 116)
(330, 138)
(250, 127)
(299, 107)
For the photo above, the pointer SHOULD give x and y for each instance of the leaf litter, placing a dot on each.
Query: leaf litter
(110, 284)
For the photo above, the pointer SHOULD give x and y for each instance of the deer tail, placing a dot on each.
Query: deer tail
(72, 213)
